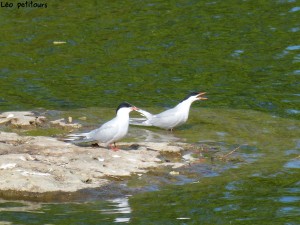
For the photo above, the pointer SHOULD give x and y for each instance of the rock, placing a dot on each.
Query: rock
(44, 164)
(26, 119)
(174, 173)
(22, 119)
(161, 146)
(189, 157)
(63, 123)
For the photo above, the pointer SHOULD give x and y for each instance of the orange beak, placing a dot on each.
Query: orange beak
(134, 108)
(201, 97)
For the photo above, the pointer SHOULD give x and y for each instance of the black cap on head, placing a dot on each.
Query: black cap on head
(191, 94)
(124, 105)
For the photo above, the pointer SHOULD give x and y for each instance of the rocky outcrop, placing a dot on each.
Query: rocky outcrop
(21, 119)
(45, 164)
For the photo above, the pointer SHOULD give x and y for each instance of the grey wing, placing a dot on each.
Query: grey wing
(166, 119)
(106, 132)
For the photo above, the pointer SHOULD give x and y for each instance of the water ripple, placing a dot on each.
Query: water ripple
(295, 9)
(294, 164)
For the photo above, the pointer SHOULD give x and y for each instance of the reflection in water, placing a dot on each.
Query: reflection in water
(154, 136)
(289, 199)
(295, 9)
(288, 210)
(21, 212)
(120, 206)
(19, 206)
(293, 164)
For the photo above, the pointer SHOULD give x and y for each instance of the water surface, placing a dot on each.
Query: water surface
(151, 53)
(244, 54)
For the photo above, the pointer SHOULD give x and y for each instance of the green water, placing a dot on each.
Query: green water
(244, 54)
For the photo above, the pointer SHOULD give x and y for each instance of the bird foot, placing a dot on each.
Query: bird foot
(114, 148)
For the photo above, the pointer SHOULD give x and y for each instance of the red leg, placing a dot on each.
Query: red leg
(114, 148)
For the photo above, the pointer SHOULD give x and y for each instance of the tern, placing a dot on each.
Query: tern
(109, 132)
(170, 118)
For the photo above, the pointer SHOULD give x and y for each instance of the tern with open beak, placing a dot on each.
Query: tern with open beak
(109, 132)
(170, 118)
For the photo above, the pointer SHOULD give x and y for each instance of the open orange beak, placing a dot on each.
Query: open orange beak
(134, 108)
(201, 97)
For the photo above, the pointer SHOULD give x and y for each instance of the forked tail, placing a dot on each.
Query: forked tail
(141, 121)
